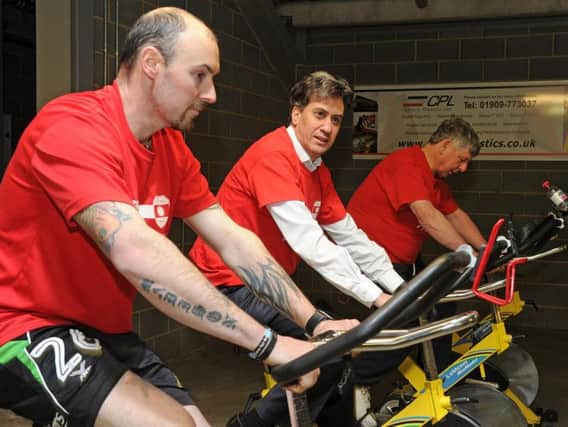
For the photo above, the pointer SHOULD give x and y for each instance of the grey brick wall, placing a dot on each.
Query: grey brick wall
(504, 50)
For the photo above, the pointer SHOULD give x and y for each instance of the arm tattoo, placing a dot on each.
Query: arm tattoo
(271, 284)
(196, 310)
(103, 221)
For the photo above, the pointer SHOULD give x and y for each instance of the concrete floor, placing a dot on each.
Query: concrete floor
(221, 382)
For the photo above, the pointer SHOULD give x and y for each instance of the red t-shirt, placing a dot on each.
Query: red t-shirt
(78, 151)
(269, 172)
(381, 204)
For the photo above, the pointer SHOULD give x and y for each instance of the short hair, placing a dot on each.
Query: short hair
(158, 28)
(321, 84)
(460, 132)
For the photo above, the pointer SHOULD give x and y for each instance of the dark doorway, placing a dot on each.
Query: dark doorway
(18, 67)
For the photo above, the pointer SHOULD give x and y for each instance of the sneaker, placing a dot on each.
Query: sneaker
(363, 412)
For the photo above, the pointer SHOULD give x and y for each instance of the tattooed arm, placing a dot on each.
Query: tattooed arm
(163, 275)
(159, 271)
(243, 251)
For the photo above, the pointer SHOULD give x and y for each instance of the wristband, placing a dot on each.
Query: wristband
(314, 321)
(265, 346)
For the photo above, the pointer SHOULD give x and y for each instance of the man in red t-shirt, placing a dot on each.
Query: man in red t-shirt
(282, 191)
(87, 202)
(405, 199)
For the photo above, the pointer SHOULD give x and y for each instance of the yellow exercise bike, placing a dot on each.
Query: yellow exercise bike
(453, 398)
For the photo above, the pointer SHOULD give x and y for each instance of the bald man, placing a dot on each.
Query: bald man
(88, 200)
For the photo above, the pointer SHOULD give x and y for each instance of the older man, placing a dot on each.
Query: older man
(406, 198)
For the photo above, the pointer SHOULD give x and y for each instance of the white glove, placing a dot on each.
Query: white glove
(468, 250)
(501, 238)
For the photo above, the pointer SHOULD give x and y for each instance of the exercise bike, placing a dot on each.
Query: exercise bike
(513, 371)
(443, 411)
(478, 402)
(410, 301)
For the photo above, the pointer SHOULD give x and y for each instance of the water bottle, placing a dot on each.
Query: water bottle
(556, 195)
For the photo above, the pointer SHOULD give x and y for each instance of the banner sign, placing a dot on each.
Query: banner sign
(527, 123)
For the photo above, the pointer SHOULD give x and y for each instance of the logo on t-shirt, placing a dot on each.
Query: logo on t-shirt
(159, 210)
(316, 208)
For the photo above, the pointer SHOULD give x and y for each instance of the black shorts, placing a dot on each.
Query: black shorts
(60, 376)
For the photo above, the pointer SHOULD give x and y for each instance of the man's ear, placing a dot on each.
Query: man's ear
(444, 144)
(150, 59)
(295, 115)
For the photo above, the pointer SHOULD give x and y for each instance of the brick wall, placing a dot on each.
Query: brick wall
(483, 51)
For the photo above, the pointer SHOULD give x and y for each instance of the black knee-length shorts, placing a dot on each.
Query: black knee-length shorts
(60, 376)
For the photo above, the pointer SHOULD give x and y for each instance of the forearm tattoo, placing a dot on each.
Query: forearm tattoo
(103, 221)
(271, 284)
(196, 310)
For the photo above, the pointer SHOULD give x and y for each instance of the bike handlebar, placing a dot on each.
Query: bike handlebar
(482, 261)
(378, 320)
(394, 339)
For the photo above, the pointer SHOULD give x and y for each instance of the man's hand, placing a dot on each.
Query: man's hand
(287, 349)
(335, 325)
(468, 250)
(382, 299)
(506, 243)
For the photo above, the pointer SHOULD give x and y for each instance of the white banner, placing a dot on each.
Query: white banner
(527, 123)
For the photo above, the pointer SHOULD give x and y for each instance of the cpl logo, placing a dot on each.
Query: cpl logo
(437, 100)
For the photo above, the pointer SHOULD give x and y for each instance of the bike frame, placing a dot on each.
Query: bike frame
(431, 404)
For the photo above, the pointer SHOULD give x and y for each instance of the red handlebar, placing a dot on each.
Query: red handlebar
(510, 277)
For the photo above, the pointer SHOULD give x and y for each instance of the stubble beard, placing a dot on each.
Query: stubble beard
(184, 125)
(186, 122)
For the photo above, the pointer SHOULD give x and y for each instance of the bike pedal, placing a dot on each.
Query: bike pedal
(547, 415)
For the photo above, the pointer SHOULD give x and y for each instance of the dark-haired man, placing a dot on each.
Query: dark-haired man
(282, 191)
